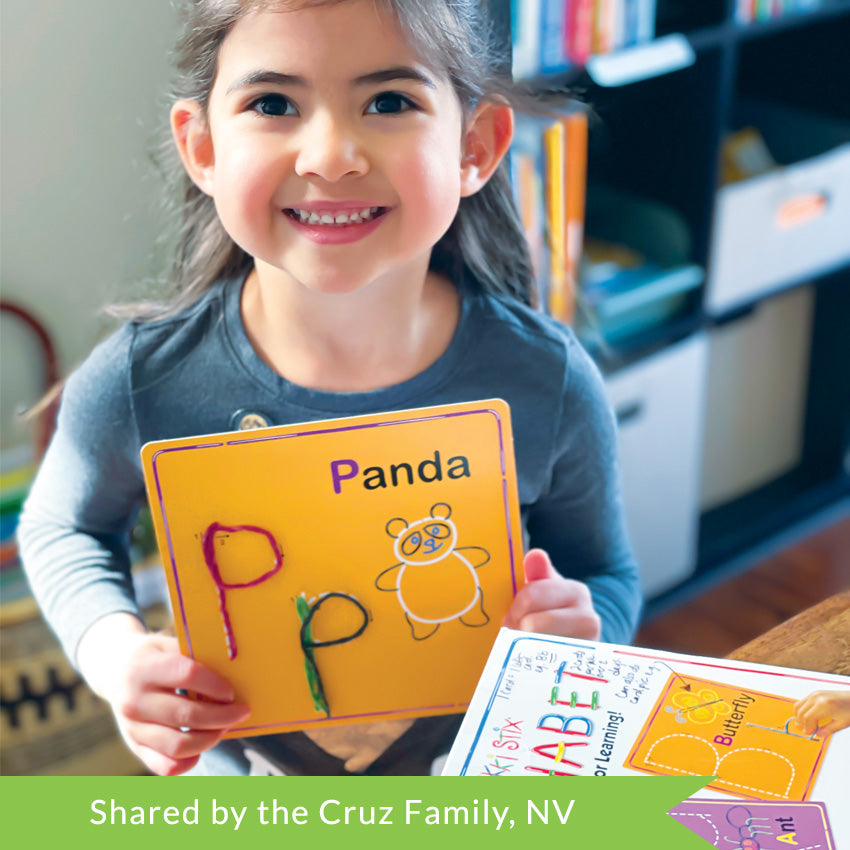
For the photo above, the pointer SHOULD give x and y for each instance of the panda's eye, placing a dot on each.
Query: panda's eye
(438, 531)
(411, 544)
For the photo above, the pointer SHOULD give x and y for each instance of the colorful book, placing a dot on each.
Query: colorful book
(528, 192)
(764, 10)
(553, 39)
(575, 177)
(561, 294)
(565, 148)
(645, 21)
(527, 16)
(630, 22)
(581, 17)
(605, 26)
(745, 11)
(549, 706)
(345, 570)
(620, 21)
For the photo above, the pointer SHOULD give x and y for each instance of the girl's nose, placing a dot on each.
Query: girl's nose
(329, 149)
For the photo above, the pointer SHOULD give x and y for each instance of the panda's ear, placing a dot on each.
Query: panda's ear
(396, 526)
(441, 511)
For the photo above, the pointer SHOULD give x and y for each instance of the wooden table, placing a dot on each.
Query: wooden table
(815, 639)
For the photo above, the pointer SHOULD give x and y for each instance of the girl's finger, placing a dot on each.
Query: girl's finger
(831, 726)
(807, 726)
(568, 622)
(171, 743)
(163, 765)
(178, 712)
(548, 594)
(537, 566)
(172, 671)
(806, 716)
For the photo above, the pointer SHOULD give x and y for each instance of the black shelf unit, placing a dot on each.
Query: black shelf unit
(661, 138)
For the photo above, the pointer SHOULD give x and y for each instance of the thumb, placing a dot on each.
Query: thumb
(538, 566)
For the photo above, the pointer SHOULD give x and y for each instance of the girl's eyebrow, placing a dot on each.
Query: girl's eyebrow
(398, 72)
(384, 75)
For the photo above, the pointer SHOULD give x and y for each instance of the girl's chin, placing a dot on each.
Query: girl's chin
(331, 284)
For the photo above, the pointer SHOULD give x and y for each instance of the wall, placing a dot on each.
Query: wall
(84, 85)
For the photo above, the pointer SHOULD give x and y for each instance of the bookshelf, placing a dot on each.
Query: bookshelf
(756, 348)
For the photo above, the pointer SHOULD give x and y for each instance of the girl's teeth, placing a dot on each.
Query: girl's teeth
(340, 218)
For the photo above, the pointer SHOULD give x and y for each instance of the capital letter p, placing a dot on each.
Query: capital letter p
(338, 475)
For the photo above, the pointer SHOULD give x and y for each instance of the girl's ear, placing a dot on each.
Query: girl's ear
(488, 136)
(194, 143)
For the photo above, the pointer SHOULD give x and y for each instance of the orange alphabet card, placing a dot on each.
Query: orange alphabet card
(745, 739)
(345, 570)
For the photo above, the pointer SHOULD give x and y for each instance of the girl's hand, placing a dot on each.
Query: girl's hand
(166, 730)
(823, 712)
(138, 674)
(552, 604)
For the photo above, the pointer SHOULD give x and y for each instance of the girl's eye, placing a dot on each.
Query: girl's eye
(388, 103)
(274, 105)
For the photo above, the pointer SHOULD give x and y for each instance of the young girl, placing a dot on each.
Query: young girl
(349, 245)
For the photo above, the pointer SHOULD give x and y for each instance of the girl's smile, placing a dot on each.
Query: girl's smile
(336, 223)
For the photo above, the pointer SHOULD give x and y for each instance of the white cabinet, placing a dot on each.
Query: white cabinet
(660, 409)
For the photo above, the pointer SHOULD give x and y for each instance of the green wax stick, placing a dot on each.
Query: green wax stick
(320, 702)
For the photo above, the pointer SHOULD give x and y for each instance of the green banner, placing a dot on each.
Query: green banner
(349, 812)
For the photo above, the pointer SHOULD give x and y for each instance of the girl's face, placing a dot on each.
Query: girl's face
(333, 154)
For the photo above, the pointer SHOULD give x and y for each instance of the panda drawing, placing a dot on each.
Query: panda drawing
(435, 580)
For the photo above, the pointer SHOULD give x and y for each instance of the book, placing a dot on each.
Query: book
(561, 294)
(605, 26)
(630, 22)
(745, 11)
(575, 178)
(345, 570)
(764, 10)
(645, 21)
(553, 37)
(565, 147)
(526, 16)
(581, 22)
(527, 187)
(550, 706)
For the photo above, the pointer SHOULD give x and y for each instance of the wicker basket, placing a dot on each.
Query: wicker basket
(52, 724)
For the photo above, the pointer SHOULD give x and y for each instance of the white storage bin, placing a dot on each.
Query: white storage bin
(786, 225)
(659, 404)
(756, 401)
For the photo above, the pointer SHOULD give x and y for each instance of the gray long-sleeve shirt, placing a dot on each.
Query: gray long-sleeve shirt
(198, 373)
